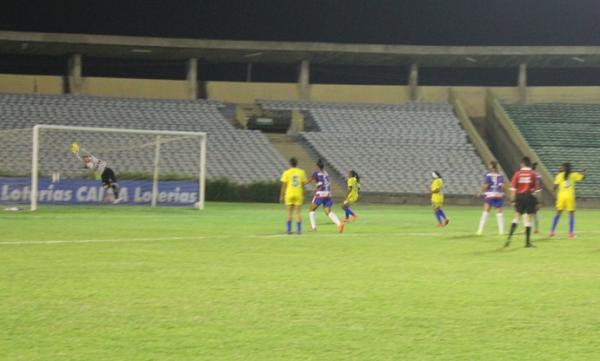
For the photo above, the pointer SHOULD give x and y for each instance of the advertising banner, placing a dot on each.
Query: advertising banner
(84, 191)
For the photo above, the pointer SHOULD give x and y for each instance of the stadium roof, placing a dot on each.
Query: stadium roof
(233, 51)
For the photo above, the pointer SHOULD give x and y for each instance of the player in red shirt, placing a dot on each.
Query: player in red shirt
(523, 187)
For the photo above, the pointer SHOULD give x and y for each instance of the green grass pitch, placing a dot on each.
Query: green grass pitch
(126, 283)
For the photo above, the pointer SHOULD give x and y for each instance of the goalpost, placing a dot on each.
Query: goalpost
(186, 148)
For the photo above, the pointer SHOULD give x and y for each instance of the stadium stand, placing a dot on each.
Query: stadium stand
(393, 147)
(561, 133)
(241, 155)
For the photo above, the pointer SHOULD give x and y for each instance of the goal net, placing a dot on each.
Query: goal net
(54, 164)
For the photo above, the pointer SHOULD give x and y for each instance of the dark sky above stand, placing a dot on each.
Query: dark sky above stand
(423, 22)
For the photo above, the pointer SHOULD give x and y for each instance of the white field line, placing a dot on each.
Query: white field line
(253, 236)
(156, 239)
(115, 240)
(348, 234)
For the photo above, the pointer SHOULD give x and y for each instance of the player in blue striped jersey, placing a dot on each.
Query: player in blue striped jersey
(322, 197)
(493, 193)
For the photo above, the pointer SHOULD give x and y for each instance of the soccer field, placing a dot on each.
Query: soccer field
(126, 283)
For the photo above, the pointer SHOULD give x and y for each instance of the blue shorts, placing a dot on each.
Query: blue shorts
(326, 202)
(495, 202)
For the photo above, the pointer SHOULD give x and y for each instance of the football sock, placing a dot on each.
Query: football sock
(500, 218)
(513, 227)
(442, 214)
(116, 190)
(299, 227)
(527, 224)
(437, 216)
(571, 222)
(349, 212)
(555, 221)
(483, 220)
(289, 227)
(334, 218)
(313, 222)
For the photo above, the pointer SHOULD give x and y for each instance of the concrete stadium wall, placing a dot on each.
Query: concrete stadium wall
(473, 98)
(32, 84)
(136, 88)
(378, 94)
(573, 94)
(248, 92)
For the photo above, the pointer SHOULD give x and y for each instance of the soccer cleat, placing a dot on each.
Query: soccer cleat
(571, 235)
(552, 234)
(440, 225)
(479, 233)
(537, 231)
(341, 228)
(507, 242)
(353, 218)
(118, 200)
(529, 245)
(446, 222)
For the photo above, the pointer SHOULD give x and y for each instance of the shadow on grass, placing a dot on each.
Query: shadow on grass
(542, 240)
(465, 236)
(498, 250)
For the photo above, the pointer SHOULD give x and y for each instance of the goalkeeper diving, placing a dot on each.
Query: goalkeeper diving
(109, 179)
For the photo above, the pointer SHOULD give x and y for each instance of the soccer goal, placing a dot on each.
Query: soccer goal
(90, 165)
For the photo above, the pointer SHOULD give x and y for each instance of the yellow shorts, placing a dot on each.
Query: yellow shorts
(437, 201)
(351, 200)
(294, 200)
(565, 203)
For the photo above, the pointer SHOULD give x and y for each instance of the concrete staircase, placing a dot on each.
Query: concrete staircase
(293, 146)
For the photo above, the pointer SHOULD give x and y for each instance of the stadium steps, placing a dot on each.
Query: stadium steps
(291, 146)
(394, 147)
(561, 132)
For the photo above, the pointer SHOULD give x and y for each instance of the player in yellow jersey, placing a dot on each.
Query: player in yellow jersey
(352, 195)
(437, 199)
(564, 185)
(293, 181)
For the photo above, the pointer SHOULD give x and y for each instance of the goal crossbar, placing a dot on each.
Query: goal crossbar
(202, 159)
(119, 130)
